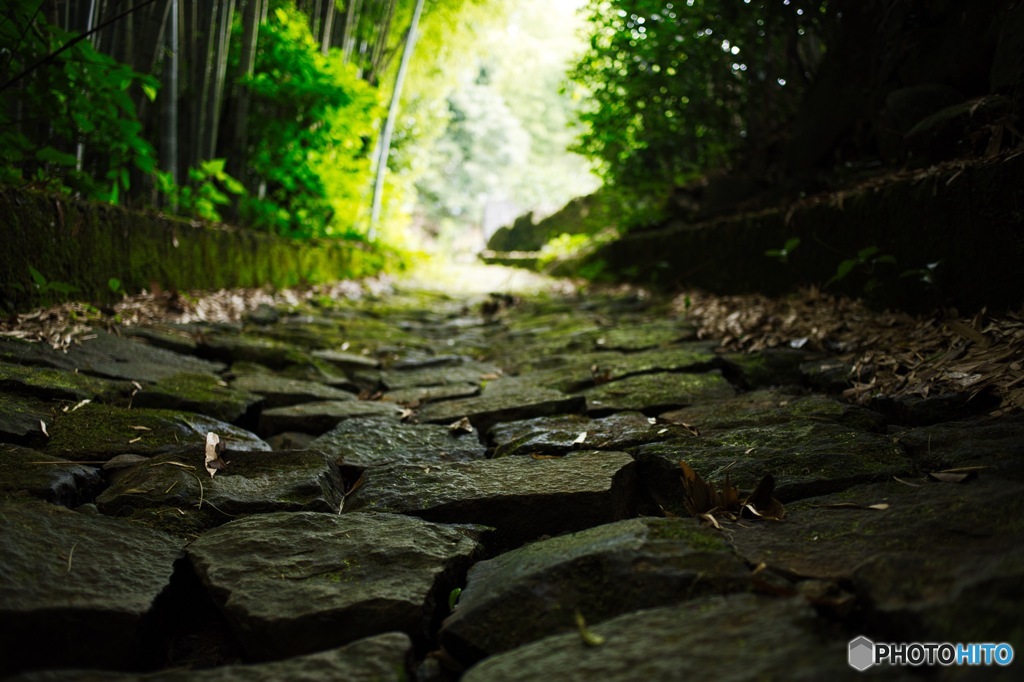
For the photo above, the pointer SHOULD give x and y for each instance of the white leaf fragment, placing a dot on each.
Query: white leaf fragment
(214, 448)
(461, 426)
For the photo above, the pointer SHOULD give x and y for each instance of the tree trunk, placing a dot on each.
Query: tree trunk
(252, 12)
(348, 42)
(389, 124)
(169, 96)
(222, 37)
(381, 44)
(328, 27)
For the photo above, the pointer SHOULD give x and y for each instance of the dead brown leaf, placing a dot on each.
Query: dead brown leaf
(214, 449)
(461, 426)
(600, 376)
(701, 497)
(761, 504)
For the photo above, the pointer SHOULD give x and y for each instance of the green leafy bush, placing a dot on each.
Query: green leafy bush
(312, 120)
(209, 190)
(70, 122)
(675, 87)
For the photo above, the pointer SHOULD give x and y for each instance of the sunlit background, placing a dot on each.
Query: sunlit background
(504, 150)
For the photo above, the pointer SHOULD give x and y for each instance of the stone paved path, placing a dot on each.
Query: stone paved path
(425, 487)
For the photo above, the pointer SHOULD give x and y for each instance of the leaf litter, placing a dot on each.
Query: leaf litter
(64, 325)
(890, 353)
(703, 500)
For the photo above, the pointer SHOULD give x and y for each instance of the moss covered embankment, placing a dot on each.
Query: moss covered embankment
(951, 235)
(79, 246)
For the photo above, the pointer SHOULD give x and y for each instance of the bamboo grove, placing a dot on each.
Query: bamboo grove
(266, 113)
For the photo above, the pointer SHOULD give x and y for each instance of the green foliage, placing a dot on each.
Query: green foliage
(70, 122)
(209, 190)
(926, 275)
(867, 259)
(50, 291)
(453, 598)
(574, 247)
(783, 253)
(675, 87)
(312, 120)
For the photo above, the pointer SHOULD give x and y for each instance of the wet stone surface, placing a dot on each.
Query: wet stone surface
(418, 486)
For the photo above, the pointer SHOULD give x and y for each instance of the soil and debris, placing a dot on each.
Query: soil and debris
(65, 324)
(890, 353)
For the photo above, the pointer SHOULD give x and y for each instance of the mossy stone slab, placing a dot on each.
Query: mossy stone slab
(654, 393)
(175, 493)
(944, 560)
(501, 401)
(76, 588)
(55, 480)
(533, 591)
(376, 441)
(765, 638)
(202, 393)
(806, 458)
(320, 417)
(278, 391)
(54, 384)
(562, 434)
(523, 498)
(21, 418)
(110, 356)
(98, 432)
(294, 583)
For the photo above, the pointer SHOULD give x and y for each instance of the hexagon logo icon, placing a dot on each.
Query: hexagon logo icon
(861, 654)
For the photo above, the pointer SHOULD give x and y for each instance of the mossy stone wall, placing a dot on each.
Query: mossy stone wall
(83, 245)
(969, 218)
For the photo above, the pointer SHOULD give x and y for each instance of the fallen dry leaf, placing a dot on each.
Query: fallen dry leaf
(761, 503)
(214, 448)
(461, 426)
(600, 376)
(702, 497)
(83, 403)
(690, 427)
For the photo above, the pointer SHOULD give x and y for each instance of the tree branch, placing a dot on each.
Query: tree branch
(71, 43)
